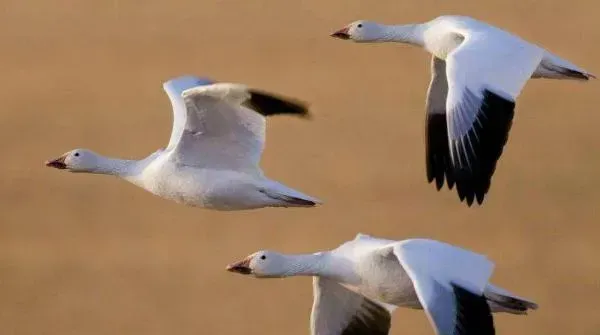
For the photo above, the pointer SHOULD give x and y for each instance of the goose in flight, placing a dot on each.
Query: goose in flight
(358, 285)
(212, 159)
(477, 73)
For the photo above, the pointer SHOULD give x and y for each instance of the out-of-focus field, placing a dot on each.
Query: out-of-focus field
(83, 254)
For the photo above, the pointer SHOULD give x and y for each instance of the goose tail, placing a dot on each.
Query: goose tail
(287, 197)
(502, 301)
(554, 67)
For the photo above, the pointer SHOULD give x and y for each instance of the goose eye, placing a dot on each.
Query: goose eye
(263, 257)
(360, 25)
(76, 154)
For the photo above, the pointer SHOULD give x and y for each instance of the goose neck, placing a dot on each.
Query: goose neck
(408, 33)
(115, 166)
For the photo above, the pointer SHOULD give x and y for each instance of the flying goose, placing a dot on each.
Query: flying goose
(477, 72)
(212, 159)
(358, 285)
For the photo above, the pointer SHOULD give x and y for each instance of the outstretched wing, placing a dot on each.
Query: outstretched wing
(449, 282)
(437, 152)
(484, 74)
(174, 88)
(224, 125)
(339, 311)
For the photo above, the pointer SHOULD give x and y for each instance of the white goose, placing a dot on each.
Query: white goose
(478, 72)
(212, 159)
(358, 285)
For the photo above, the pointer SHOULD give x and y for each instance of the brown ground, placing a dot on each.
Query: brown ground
(82, 254)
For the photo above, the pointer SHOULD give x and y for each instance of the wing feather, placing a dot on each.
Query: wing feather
(174, 88)
(449, 282)
(225, 125)
(339, 311)
(485, 75)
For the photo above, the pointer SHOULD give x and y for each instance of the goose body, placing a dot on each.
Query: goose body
(477, 73)
(359, 284)
(212, 159)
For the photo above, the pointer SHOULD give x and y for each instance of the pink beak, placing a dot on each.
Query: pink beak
(241, 267)
(341, 34)
(58, 163)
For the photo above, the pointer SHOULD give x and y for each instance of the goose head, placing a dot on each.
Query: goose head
(360, 31)
(78, 160)
(261, 264)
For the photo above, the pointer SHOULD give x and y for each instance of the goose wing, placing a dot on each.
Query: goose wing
(437, 152)
(174, 88)
(223, 125)
(339, 311)
(483, 77)
(449, 282)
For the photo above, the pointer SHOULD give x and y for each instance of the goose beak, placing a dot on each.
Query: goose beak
(341, 34)
(241, 267)
(58, 163)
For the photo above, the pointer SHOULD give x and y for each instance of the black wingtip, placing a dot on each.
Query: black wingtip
(268, 104)
(450, 181)
(474, 315)
(476, 154)
(439, 183)
(376, 320)
(480, 196)
(437, 153)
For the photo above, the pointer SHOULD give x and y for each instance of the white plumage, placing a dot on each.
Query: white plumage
(212, 159)
(478, 71)
(359, 284)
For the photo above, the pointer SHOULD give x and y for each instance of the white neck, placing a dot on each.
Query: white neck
(114, 166)
(408, 33)
(322, 264)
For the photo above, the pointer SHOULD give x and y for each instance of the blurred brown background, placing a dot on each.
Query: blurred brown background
(83, 254)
